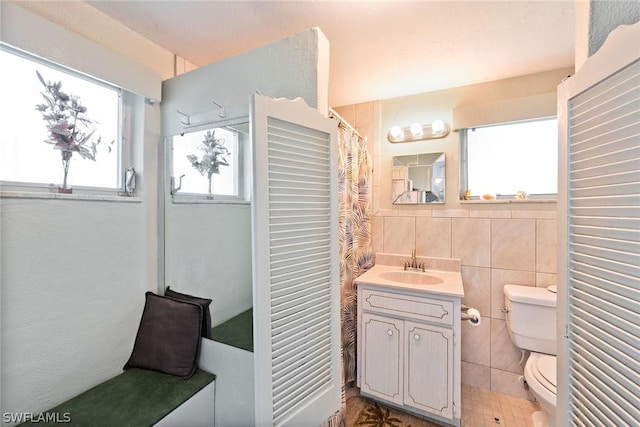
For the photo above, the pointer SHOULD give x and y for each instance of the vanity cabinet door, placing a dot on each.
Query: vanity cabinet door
(428, 382)
(382, 357)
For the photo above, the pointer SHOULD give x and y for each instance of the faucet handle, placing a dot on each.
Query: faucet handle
(421, 266)
(406, 263)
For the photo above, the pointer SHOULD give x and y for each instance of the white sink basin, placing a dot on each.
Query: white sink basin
(411, 277)
(431, 281)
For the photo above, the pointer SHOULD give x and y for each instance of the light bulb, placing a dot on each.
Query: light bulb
(437, 126)
(396, 132)
(416, 129)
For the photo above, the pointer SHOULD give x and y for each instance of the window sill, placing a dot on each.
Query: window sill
(203, 201)
(506, 201)
(62, 196)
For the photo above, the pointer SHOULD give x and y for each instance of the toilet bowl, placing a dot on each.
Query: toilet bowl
(541, 376)
(531, 321)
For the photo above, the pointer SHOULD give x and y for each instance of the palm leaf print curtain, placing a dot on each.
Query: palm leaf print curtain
(354, 234)
(355, 239)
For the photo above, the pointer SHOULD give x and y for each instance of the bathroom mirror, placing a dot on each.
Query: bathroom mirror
(418, 179)
(207, 226)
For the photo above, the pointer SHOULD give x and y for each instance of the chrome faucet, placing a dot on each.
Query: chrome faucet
(413, 264)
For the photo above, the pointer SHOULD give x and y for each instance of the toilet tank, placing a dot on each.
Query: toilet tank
(531, 317)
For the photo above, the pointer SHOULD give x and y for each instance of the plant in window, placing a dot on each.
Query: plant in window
(70, 130)
(214, 155)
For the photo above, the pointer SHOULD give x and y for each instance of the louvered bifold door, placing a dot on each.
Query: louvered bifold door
(296, 296)
(604, 252)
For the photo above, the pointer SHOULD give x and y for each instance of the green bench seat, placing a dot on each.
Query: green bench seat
(236, 332)
(136, 398)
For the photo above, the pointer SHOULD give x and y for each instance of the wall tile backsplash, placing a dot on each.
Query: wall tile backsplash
(433, 237)
(400, 235)
(471, 241)
(546, 237)
(497, 244)
(477, 289)
(513, 243)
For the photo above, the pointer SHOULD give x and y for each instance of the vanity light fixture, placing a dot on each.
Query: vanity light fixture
(417, 132)
(396, 132)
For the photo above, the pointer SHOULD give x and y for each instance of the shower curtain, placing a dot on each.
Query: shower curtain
(355, 241)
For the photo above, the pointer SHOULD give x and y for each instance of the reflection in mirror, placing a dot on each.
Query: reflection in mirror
(418, 178)
(210, 162)
(207, 250)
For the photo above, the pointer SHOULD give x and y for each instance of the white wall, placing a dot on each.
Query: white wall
(74, 271)
(73, 281)
(208, 254)
(208, 246)
(73, 288)
(296, 66)
(605, 16)
(595, 19)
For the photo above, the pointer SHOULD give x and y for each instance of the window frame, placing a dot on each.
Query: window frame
(464, 168)
(123, 144)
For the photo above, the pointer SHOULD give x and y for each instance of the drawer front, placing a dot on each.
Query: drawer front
(417, 307)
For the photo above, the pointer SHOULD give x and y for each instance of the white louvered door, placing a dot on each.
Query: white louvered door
(601, 235)
(295, 264)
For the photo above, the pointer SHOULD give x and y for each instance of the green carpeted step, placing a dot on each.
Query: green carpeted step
(135, 398)
(236, 332)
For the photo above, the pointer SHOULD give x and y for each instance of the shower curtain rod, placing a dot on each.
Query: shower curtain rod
(343, 122)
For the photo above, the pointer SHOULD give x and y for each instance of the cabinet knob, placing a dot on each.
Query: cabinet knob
(389, 332)
(416, 336)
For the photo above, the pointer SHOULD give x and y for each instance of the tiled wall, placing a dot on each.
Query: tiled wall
(511, 244)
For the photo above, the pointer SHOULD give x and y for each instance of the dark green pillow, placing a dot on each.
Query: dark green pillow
(168, 338)
(204, 302)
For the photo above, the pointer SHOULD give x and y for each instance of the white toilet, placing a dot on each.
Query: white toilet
(531, 321)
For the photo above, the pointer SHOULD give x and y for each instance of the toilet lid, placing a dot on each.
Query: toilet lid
(546, 372)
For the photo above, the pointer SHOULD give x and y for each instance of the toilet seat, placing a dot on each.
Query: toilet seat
(540, 373)
(544, 370)
(541, 376)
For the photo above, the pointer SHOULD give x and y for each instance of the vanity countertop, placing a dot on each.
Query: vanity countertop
(451, 280)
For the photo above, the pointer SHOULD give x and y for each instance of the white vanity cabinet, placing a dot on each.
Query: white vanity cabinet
(407, 350)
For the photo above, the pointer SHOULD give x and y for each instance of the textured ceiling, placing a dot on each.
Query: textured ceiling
(379, 49)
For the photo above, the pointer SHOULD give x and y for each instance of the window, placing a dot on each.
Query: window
(210, 163)
(25, 157)
(506, 159)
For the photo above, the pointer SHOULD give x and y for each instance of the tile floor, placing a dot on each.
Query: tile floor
(484, 408)
(480, 408)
